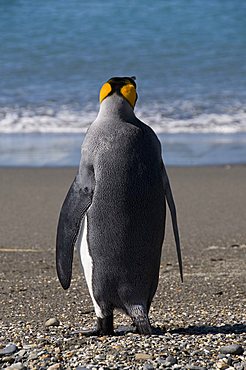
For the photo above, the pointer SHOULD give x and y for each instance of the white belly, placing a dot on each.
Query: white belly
(87, 263)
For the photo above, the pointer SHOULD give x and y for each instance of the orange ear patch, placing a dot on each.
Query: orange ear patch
(105, 90)
(129, 93)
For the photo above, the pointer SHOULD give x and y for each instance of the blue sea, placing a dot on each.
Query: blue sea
(189, 58)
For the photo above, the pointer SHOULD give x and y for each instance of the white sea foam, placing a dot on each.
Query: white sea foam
(162, 119)
(45, 120)
(203, 123)
(187, 117)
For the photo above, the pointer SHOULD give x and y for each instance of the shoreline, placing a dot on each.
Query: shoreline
(180, 149)
(74, 167)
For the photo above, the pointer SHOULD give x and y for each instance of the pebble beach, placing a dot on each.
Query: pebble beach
(197, 325)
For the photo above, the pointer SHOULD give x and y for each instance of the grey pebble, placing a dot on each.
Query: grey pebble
(233, 349)
(8, 358)
(16, 366)
(170, 360)
(196, 352)
(161, 360)
(82, 368)
(221, 355)
(148, 367)
(100, 357)
(33, 355)
(229, 361)
(21, 353)
(8, 350)
(191, 367)
(52, 322)
(27, 346)
(238, 366)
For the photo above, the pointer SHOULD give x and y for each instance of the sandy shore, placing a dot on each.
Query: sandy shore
(211, 204)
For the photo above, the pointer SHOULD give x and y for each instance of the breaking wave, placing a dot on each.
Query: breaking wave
(163, 119)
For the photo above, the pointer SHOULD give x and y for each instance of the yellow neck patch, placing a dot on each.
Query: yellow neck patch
(105, 90)
(129, 93)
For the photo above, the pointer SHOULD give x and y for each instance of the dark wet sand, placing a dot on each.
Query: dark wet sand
(211, 204)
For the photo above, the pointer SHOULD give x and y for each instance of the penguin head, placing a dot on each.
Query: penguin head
(122, 86)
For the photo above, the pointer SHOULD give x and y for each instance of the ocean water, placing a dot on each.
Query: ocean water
(189, 58)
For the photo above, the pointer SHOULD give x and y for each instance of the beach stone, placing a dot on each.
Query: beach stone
(222, 364)
(33, 355)
(16, 366)
(143, 356)
(21, 353)
(229, 361)
(160, 360)
(191, 367)
(233, 349)
(29, 346)
(170, 360)
(221, 355)
(9, 359)
(52, 322)
(8, 350)
(42, 341)
(54, 367)
(148, 367)
(100, 357)
(238, 365)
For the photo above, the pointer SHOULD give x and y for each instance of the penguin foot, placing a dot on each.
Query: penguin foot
(140, 319)
(104, 327)
(143, 327)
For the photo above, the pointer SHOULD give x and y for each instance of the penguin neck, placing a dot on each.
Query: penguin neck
(117, 107)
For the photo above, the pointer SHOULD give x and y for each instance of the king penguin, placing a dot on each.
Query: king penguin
(115, 211)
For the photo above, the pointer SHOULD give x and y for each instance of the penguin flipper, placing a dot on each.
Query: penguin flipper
(76, 203)
(172, 208)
